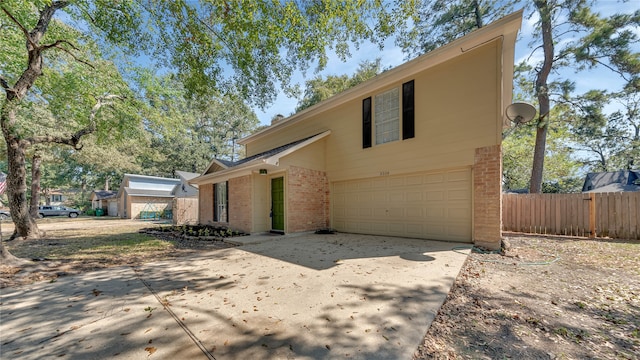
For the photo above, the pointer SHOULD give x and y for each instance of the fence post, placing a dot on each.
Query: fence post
(592, 215)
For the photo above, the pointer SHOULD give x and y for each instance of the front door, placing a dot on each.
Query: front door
(277, 204)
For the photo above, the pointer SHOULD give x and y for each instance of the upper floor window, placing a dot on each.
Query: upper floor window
(386, 116)
(387, 111)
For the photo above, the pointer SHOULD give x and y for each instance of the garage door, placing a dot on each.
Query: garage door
(425, 205)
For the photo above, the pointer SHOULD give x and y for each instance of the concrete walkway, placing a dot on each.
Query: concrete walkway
(275, 297)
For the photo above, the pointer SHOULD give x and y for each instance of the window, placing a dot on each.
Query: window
(220, 200)
(387, 116)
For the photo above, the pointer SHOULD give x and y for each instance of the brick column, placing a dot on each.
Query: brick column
(240, 209)
(205, 204)
(308, 199)
(487, 195)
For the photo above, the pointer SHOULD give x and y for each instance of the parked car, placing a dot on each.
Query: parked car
(4, 215)
(57, 211)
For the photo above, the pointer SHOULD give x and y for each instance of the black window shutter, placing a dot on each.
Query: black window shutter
(226, 201)
(408, 113)
(366, 123)
(215, 203)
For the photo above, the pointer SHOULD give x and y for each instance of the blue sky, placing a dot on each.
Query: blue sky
(392, 56)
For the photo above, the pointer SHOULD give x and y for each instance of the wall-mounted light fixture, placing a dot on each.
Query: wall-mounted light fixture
(263, 171)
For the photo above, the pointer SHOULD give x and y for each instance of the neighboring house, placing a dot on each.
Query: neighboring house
(147, 194)
(414, 152)
(615, 181)
(185, 203)
(106, 200)
(184, 189)
(57, 196)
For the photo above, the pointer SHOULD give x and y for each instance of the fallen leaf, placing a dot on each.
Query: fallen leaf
(150, 349)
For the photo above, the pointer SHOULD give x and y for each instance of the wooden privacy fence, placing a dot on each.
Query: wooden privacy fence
(185, 211)
(615, 215)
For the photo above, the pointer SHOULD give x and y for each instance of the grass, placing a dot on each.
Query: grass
(92, 244)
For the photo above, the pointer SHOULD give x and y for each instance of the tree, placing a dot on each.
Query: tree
(439, 22)
(188, 132)
(74, 113)
(319, 89)
(611, 140)
(604, 42)
(562, 169)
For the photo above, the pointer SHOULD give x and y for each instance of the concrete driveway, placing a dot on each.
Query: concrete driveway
(302, 296)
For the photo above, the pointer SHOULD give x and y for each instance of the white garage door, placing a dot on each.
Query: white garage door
(425, 205)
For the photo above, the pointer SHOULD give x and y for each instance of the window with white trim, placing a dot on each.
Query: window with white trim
(221, 200)
(387, 116)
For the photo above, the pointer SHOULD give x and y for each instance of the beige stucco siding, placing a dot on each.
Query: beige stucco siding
(457, 111)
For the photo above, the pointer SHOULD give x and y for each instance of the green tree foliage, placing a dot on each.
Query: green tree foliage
(319, 88)
(186, 133)
(60, 103)
(438, 22)
(607, 141)
(601, 41)
(261, 42)
(562, 170)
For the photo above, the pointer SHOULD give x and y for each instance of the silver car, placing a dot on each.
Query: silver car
(48, 210)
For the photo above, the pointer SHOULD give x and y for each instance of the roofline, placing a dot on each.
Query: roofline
(270, 162)
(149, 177)
(132, 192)
(186, 174)
(509, 24)
(214, 161)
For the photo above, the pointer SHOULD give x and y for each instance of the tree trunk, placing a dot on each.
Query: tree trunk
(542, 91)
(25, 226)
(36, 161)
(477, 13)
(7, 259)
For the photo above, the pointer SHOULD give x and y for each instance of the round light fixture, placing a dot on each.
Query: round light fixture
(520, 112)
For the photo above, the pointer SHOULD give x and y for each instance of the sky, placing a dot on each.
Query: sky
(392, 56)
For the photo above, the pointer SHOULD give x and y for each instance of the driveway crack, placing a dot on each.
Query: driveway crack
(184, 326)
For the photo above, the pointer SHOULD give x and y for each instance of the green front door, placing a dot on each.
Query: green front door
(277, 204)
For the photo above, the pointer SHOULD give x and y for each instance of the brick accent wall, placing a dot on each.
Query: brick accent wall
(205, 204)
(307, 199)
(240, 209)
(487, 204)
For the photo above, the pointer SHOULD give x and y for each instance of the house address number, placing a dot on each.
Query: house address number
(384, 173)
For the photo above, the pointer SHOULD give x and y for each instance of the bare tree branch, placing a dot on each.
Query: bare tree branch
(57, 46)
(73, 140)
(22, 28)
(4, 83)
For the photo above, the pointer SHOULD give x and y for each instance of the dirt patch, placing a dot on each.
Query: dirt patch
(548, 298)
